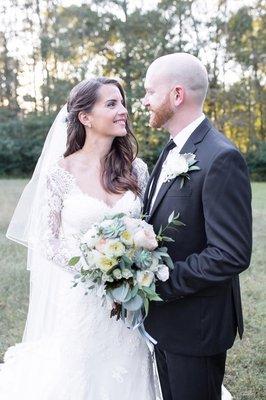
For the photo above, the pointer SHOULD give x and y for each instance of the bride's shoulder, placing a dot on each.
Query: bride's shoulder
(141, 170)
(140, 166)
(59, 177)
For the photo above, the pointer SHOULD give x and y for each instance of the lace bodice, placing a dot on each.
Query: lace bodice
(70, 211)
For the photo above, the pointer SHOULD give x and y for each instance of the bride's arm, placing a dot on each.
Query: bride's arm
(56, 248)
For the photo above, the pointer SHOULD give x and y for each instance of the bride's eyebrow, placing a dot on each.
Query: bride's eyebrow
(114, 100)
(107, 101)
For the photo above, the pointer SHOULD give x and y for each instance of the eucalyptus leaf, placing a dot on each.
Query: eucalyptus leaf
(168, 261)
(127, 261)
(134, 304)
(171, 217)
(120, 293)
(162, 249)
(73, 261)
(134, 291)
(178, 223)
(128, 296)
(146, 306)
(167, 239)
(155, 297)
(148, 290)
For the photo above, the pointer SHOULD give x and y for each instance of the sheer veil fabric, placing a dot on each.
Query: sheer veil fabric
(26, 227)
(25, 223)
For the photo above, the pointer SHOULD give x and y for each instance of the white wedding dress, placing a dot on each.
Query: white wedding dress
(77, 351)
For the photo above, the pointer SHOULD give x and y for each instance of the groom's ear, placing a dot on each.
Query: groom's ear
(178, 95)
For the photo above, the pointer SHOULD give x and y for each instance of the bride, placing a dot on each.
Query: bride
(71, 349)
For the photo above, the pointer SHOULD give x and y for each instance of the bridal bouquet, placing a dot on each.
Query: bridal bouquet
(121, 258)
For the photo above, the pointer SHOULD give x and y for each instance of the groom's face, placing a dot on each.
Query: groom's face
(157, 100)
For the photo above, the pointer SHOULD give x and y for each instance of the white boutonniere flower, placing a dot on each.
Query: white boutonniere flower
(178, 164)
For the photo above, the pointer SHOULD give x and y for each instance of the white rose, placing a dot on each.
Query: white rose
(175, 165)
(126, 238)
(131, 224)
(144, 278)
(163, 273)
(179, 165)
(106, 263)
(145, 237)
(113, 248)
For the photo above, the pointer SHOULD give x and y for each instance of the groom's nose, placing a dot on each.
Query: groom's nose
(145, 101)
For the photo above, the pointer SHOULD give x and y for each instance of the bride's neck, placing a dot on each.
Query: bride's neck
(96, 148)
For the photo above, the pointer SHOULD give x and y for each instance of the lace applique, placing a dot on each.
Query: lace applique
(59, 183)
(141, 170)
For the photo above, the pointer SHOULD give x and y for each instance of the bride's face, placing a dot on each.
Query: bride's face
(108, 116)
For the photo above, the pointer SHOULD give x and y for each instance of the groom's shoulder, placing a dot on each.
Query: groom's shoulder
(216, 147)
(217, 142)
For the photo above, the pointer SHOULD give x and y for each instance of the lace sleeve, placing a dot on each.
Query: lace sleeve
(141, 170)
(55, 246)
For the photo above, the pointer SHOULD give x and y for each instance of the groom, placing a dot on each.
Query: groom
(201, 312)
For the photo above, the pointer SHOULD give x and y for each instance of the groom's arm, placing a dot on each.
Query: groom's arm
(226, 200)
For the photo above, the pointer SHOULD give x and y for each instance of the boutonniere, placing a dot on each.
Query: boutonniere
(178, 164)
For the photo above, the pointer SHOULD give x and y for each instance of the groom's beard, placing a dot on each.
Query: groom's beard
(161, 115)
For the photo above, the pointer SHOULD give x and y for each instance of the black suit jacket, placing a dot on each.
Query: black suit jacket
(202, 305)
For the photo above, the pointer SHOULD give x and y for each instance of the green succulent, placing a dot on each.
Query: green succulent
(143, 258)
(114, 229)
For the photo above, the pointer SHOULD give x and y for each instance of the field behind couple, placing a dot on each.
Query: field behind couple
(246, 361)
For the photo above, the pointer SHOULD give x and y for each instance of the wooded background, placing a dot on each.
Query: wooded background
(47, 46)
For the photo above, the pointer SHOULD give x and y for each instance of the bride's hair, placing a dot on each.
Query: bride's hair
(117, 176)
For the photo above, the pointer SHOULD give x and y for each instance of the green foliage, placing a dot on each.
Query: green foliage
(256, 159)
(21, 141)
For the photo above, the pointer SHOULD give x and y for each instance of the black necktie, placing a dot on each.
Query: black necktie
(157, 170)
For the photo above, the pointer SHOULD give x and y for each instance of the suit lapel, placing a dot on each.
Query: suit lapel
(189, 147)
(147, 191)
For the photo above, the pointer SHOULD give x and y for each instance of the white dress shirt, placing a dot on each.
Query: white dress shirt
(179, 139)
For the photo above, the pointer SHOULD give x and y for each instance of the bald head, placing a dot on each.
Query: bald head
(181, 69)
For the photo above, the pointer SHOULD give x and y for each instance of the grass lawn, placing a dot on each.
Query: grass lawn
(246, 360)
